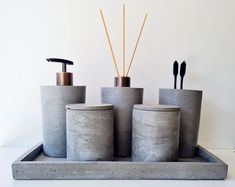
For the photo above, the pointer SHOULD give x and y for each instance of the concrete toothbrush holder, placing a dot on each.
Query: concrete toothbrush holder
(189, 102)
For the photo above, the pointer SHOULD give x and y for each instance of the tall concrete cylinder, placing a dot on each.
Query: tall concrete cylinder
(155, 133)
(54, 99)
(89, 132)
(189, 102)
(123, 99)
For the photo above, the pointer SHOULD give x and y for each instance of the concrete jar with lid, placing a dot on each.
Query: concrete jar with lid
(89, 132)
(155, 133)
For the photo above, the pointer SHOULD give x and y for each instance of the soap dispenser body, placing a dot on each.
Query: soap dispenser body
(54, 99)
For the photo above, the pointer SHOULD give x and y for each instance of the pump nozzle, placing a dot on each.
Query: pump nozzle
(63, 78)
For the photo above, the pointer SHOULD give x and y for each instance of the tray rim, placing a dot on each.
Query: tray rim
(201, 151)
(37, 150)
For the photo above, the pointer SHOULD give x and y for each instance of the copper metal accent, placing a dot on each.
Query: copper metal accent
(64, 79)
(122, 81)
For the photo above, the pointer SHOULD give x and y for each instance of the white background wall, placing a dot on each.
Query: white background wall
(202, 32)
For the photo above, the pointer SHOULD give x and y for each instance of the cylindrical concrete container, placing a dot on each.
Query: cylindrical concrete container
(89, 132)
(155, 133)
(123, 99)
(54, 99)
(189, 102)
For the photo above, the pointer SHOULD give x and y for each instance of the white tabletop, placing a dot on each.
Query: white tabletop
(10, 154)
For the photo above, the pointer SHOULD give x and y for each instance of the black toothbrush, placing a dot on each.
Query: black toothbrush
(175, 72)
(182, 73)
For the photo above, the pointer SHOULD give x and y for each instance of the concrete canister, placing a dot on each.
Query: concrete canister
(123, 99)
(189, 102)
(155, 133)
(89, 132)
(54, 99)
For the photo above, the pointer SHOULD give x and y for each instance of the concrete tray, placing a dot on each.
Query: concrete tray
(34, 165)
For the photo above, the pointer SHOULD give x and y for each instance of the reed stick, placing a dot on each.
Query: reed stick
(110, 44)
(123, 39)
(131, 62)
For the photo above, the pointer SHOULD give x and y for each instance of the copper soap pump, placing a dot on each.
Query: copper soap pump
(63, 78)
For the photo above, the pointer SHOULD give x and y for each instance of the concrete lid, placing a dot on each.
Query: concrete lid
(163, 108)
(123, 88)
(181, 90)
(89, 106)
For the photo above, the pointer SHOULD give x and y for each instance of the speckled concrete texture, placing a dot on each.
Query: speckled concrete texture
(155, 133)
(33, 165)
(89, 132)
(189, 102)
(123, 99)
(54, 99)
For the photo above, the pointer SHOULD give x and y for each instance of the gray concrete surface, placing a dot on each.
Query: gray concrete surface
(89, 132)
(54, 99)
(33, 165)
(155, 133)
(123, 99)
(189, 102)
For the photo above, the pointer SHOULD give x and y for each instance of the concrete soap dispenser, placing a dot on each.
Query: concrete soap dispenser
(54, 99)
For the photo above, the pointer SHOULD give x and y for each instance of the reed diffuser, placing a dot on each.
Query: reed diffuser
(122, 96)
(122, 80)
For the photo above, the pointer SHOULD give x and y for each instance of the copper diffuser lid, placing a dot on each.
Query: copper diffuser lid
(122, 81)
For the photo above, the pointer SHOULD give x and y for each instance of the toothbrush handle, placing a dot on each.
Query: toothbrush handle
(175, 83)
(181, 83)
